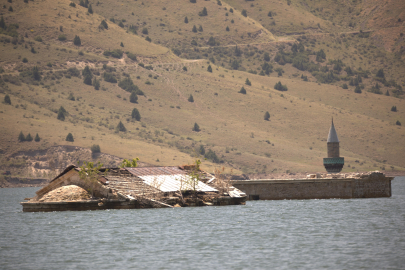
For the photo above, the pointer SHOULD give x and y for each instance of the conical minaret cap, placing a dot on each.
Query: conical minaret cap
(332, 137)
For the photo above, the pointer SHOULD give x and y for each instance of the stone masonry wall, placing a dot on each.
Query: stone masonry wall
(333, 149)
(316, 188)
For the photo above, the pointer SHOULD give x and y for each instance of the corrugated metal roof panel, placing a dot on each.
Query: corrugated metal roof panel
(155, 171)
(174, 182)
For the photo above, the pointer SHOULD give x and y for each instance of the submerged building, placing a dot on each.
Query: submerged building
(333, 163)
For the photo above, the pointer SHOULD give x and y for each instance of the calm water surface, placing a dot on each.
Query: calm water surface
(299, 234)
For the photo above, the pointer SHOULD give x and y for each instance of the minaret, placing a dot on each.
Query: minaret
(333, 163)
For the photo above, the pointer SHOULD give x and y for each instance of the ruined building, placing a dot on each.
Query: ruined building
(333, 163)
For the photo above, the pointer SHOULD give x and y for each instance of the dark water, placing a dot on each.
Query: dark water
(307, 234)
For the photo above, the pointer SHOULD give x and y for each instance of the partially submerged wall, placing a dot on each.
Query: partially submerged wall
(372, 185)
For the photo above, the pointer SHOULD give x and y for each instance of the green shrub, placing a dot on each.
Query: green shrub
(344, 86)
(117, 53)
(393, 108)
(209, 68)
(194, 29)
(73, 71)
(95, 148)
(190, 98)
(211, 155)
(87, 80)
(62, 37)
(227, 28)
(35, 74)
(244, 12)
(37, 138)
(71, 97)
(69, 138)
(398, 123)
(242, 90)
(136, 115)
(247, 82)
(38, 38)
(131, 56)
(185, 68)
(109, 77)
(357, 90)
(280, 87)
(200, 28)
(148, 39)
(212, 42)
(90, 9)
(186, 20)
(145, 31)
(71, 4)
(128, 85)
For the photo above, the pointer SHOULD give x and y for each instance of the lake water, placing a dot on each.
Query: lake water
(297, 234)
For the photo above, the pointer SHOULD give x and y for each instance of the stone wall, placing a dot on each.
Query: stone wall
(333, 149)
(372, 186)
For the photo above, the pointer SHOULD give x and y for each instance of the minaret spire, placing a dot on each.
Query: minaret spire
(333, 163)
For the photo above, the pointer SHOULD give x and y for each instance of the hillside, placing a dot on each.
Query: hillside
(178, 82)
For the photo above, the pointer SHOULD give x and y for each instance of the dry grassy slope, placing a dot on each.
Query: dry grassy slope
(286, 19)
(299, 121)
(165, 21)
(232, 124)
(50, 15)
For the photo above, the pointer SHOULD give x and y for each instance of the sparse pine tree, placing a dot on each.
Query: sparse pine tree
(357, 90)
(90, 9)
(380, 73)
(37, 138)
(186, 20)
(133, 98)
(194, 29)
(103, 24)
(2, 23)
(61, 116)
(267, 116)
(77, 41)
(122, 44)
(201, 150)
(266, 57)
(87, 80)
(387, 93)
(203, 12)
(209, 68)
(69, 138)
(393, 108)
(136, 115)
(200, 28)
(242, 90)
(196, 127)
(29, 138)
(35, 73)
(398, 123)
(231, 10)
(244, 12)
(21, 137)
(185, 68)
(247, 82)
(121, 127)
(227, 28)
(96, 83)
(7, 99)
(190, 98)
(86, 3)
